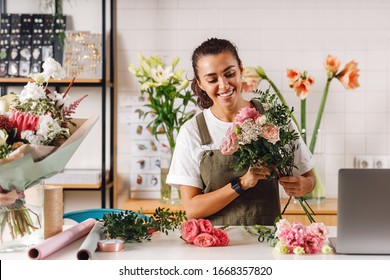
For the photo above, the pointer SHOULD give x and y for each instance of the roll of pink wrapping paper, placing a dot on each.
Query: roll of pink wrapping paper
(60, 240)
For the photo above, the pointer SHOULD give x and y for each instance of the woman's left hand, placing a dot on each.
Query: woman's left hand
(298, 185)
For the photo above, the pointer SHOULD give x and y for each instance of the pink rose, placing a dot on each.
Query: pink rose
(349, 76)
(270, 132)
(229, 143)
(332, 64)
(246, 113)
(222, 239)
(189, 230)
(205, 226)
(205, 240)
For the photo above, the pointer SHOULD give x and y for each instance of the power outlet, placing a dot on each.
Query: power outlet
(364, 162)
(380, 162)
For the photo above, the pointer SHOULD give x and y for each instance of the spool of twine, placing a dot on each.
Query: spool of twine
(53, 210)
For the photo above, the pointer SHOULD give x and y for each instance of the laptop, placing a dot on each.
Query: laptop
(363, 215)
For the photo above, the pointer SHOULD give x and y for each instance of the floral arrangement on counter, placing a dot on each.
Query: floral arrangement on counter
(34, 122)
(265, 139)
(294, 238)
(134, 226)
(201, 233)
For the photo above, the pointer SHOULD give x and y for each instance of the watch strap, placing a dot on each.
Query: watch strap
(236, 186)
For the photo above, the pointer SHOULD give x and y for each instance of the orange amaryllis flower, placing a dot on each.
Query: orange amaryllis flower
(302, 88)
(332, 64)
(250, 79)
(293, 75)
(349, 75)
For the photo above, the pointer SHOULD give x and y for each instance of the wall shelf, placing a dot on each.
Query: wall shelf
(104, 83)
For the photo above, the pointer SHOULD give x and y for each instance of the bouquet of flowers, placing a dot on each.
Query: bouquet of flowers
(302, 83)
(202, 233)
(37, 138)
(265, 140)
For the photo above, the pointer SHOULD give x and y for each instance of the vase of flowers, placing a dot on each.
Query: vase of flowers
(169, 100)
(21, 218)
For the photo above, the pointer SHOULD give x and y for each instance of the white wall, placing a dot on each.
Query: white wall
(277, 35)
(274, 34)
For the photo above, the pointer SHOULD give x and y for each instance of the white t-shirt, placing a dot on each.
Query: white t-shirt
(185, 170)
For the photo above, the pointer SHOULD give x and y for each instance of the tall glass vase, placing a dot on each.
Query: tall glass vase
(21, 218)
(169, 195)
(318, 194)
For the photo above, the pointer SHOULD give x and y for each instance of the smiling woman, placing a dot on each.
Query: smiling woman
(210, 186)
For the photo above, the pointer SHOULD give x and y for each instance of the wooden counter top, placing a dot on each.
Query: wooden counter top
(327, 207)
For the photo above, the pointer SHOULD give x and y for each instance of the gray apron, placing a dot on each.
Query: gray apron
(258, 205)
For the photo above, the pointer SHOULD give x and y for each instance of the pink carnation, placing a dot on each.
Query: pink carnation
(313, 244)
(318, 229)
(189, 230)
(205, 240)
(222, 239)
(205, 226)
(246, 113)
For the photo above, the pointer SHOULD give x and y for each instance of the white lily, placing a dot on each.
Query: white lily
(161, 75)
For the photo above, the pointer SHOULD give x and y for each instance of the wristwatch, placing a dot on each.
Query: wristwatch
(236, 186)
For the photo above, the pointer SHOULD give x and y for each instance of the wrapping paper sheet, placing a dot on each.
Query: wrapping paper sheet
(90, 243)
(59, 241)
(31, 163)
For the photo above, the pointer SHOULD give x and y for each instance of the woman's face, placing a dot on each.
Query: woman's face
(220, 77)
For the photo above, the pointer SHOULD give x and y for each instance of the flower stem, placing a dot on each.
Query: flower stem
(303, 119)
(281, 98)
(319, 116)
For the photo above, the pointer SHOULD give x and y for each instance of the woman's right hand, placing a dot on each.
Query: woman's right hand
(252, 176)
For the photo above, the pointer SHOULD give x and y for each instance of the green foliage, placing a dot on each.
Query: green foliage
(131, 226)
(278, 157)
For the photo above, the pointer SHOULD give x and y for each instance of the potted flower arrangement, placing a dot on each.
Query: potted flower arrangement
(168, 99)
(37, 138)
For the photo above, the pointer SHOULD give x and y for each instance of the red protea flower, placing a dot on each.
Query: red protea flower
(23, 121)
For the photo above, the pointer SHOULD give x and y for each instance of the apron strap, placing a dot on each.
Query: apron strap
(203, 130)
